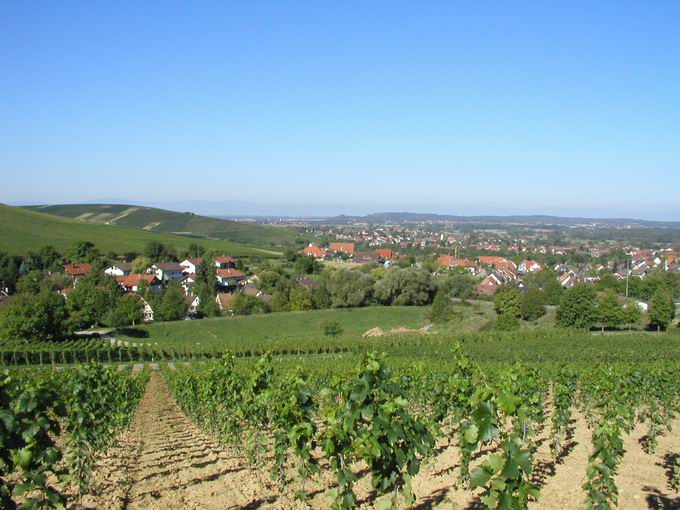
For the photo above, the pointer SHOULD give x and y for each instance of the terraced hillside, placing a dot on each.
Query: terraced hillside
(161, 220)
(22, 230)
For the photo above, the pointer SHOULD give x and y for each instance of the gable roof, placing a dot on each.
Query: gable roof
(344, 247)
(385, 253)
(308, 283)
(168, 266)
(196, 261)
(225, 259)
(77, 269)
(230, 273)
(133, 280)
(123, 266)
(314, 251)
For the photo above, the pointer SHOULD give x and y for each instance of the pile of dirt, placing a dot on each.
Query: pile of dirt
(377, 332)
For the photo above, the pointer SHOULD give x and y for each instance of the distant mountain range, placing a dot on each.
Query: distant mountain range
(332, 212)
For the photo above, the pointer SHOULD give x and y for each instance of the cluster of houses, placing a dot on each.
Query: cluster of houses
(494, 270)
(229, 279)
(497, 270)
(384, 256)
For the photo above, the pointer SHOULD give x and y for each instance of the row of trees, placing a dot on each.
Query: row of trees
(582, 307)
(346, 288)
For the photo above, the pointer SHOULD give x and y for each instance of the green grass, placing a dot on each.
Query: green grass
(238, 333)
(22, 230)
(161, 220)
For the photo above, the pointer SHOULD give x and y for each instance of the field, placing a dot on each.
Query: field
(22, 230)
(452, 416)
(161, 220)
(237, 333)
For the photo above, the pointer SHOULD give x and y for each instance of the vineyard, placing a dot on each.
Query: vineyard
(347, 430)
(53, 426)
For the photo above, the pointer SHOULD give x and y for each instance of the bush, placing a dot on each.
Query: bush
(506, 322)
(332, 328)
(532, 305)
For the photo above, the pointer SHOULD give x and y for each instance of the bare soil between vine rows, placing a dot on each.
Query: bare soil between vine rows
(165, 462)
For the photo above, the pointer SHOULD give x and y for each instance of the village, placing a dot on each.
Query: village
(491, 264)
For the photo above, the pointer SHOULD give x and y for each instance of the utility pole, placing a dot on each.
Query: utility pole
(627, 275)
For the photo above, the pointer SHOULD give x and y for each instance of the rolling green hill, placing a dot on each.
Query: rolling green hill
(22, 230)
(171, 222)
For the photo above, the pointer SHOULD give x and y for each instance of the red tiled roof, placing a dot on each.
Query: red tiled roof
(463, 263)
(229, 273)
(225, 259)
(133, 280)
(491, 259)
(314, 251)
(385, 253)
(77, 269)
(344, 247)
(444, 260)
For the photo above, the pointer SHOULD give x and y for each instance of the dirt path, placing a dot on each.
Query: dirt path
(165, 462)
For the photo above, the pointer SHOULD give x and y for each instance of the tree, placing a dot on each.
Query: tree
(300, 299)
(405, 287)
(609, 310)
(81, 251)
(270, 281)
(10, 266)
(141, 264)
(442, 306)
(279, 301)
(47, 259)
(532, 305)
(172, 304)
(508, 301)
(206, 288)
(321, 298)
(30, 283)
(607, 282)
(34, 317)
(553, 290)
(348, 288)
(661, 309)
(129, 311)
(246, 305)
(461, 286)
(306, 265)
(578, 308)
(632, 315)
(377, 273)
(158, 252)
(92, 300)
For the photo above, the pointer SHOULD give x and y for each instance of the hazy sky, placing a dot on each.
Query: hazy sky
(518, 105)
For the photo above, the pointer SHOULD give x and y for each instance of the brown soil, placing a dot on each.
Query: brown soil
(378, 331)
(165, 462)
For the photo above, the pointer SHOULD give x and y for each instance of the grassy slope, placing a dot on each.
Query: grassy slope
(236, 332)
(240, 332)
(161, 220)
(22, 230)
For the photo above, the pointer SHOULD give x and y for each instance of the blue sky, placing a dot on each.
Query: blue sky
(443, 106)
